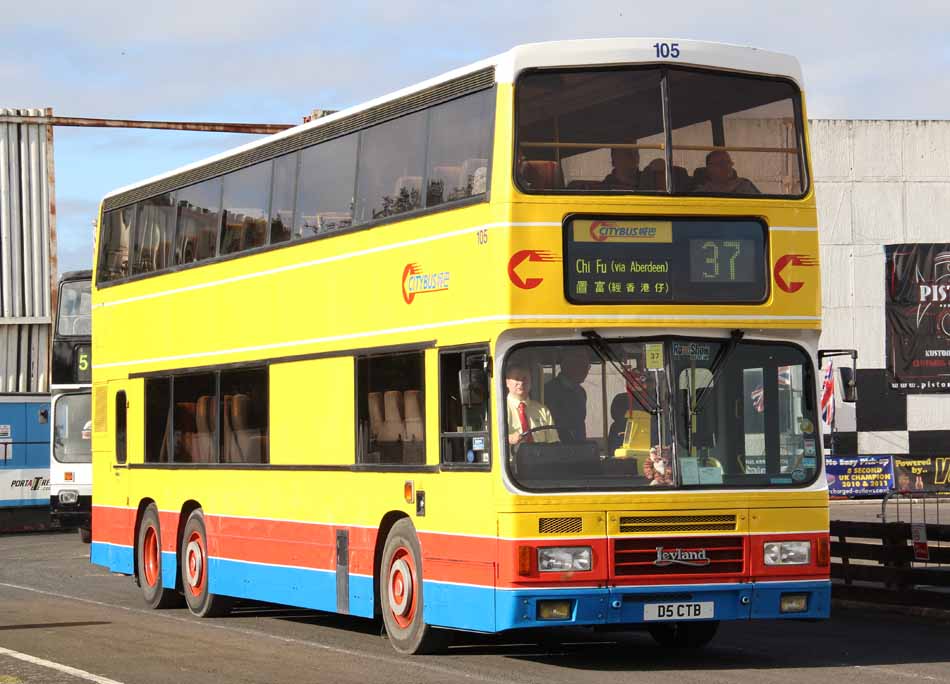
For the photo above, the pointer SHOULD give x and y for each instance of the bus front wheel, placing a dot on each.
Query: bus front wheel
(400, 593)
(194, 570)
(684, 634)
(149, 562)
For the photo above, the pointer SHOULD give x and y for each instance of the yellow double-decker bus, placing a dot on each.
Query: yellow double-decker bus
(530, 344)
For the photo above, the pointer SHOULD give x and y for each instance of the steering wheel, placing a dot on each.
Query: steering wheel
(531, 431)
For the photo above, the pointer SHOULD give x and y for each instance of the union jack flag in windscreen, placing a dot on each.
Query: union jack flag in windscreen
(758, 394)
(828, 396)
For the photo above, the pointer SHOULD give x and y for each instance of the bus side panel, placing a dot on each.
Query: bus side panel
(459, 580)
(113, 544)
(24, 452)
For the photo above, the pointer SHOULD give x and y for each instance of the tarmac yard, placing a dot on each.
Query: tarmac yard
(63, 620)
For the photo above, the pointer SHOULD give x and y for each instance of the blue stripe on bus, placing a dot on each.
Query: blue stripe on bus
(302, 587)
(462, 606)
(169, 569)
(484, 609)
(40, 502)
(624, 605)
(116, 558)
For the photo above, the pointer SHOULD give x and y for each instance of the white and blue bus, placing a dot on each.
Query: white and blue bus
(70, 451)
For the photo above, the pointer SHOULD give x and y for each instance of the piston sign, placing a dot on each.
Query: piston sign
(918, 534)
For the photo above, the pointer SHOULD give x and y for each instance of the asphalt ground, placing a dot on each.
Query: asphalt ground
(57, 611)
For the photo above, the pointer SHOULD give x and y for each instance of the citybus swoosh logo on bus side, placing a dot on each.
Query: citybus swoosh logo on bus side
(791, 286)
(415, 282)
(529, 255)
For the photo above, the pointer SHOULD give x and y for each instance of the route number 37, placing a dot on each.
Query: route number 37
(665, 50)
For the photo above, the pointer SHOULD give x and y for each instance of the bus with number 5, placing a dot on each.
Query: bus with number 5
(71, 436)
(531, 344)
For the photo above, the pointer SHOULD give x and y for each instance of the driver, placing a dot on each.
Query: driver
(524, 413)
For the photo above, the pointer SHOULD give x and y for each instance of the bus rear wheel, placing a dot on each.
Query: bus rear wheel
(400, 593)
(194, 570)
(684, 634)
(148, 568)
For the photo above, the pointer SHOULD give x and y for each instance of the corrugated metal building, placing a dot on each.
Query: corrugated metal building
(27, 273)
(27, 250)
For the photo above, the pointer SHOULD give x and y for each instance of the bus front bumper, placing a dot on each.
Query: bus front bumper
(523, 608)
(78, 514)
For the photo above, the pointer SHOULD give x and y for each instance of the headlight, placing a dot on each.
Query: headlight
(564, 558)
(788, 553)
(67, 497)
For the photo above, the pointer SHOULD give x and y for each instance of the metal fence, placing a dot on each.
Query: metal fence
(904, 559)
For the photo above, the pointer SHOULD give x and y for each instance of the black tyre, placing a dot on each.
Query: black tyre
(148, 556)
(684, 634)
(194, 570)
(400, 593)
(85, 534)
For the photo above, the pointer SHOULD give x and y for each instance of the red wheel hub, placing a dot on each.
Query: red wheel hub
(403, 587)
(151, 563)
(196, 569)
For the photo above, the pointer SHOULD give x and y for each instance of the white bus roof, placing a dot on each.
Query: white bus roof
(562, 53)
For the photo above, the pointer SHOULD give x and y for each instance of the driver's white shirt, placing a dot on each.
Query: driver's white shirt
(537, 414)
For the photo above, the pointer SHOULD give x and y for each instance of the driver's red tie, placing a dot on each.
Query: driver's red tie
(525, 425)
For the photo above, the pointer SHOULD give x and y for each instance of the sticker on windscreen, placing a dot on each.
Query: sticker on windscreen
(807, 426)
(692, 351)
(799, 475)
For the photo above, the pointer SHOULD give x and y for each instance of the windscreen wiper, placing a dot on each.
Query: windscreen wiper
(634, 384)
(718, 364)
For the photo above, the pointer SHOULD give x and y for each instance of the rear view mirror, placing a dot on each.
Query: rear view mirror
(849, 388)
(473, 383)
(846, 374)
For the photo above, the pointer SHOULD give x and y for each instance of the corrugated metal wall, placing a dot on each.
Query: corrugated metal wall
(27, 249)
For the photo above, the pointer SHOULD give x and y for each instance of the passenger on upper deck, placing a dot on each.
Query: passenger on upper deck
(721, 176)
(524, 412)
(626, 172)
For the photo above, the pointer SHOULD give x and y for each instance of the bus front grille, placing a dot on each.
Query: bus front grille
(678, 556)
(678, 523)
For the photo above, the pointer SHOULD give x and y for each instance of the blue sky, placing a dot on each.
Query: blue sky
(238, 61)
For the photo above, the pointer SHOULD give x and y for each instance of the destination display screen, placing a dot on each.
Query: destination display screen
(653, 261)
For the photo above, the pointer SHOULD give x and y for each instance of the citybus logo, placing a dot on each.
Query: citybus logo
(601, 231)
(415, 282)
(695, 558)
(788, 285)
